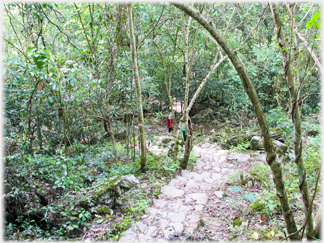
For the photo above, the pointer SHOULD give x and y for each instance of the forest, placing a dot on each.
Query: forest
(162, 121)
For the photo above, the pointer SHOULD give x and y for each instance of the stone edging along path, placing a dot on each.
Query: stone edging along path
(185, 200)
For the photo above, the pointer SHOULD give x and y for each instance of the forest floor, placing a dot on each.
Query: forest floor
(224, 197)
(203, 204)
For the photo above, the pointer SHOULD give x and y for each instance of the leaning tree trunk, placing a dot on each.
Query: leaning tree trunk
(271, 155)
(296, 118)
(138, 89)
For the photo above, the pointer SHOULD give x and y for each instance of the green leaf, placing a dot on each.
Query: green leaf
(315, 21)
(50, 101)
(69, 164)
(69, 227)
(235, 189)
(38, 60)
(250, 197)
(99, 221)
(45, 53)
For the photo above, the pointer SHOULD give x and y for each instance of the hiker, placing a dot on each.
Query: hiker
(170, 123)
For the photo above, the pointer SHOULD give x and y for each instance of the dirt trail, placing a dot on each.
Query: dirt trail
(187, 201)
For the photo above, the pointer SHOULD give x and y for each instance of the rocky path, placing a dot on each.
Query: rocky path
(184, 203)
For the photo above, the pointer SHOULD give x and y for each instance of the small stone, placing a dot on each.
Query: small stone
(152, 231)
(177, 227)
(143, 237)
(141, 227)
(219, 194)
(151, 211)
(217, 169)
(172, 192)
(173, 207)
(250, 184)
(168, 232)
(160, 203)
(128, 236)
(185, 209)
(163, 223)
(160, 213)
(199, 198)
(205, 145)
(176, 217)
(186, 174)
(192, 218)
(197, 177)
(199, 208)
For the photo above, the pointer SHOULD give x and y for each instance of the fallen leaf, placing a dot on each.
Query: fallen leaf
(263, 217)
(271, 233)
(255, 236)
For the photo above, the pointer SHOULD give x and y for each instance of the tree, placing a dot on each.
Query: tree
(138, 89)
(271, 155)
(295, 115)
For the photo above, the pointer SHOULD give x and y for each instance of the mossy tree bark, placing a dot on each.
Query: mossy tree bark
(138, 89)
(271, 156)
(296, 117)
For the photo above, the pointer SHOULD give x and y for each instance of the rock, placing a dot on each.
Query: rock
(280, 147)
(205, 145)
(199, 198)
(151, 211)
(250, 134)
(152, 231)
(256, 143)
(103, 210)
(178, 228)
(250, 184)
(172, 192)
(219, 194)
(238, 157)
(163, 223)
(277, 134)
(127, 181)
(143, 237)
(160, 203)
(168, 232)
(128, 236)
(199, 208)
(141, 227)
(231, 141)
(176, 217)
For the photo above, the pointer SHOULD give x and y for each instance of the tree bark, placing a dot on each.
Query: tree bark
(296, 117)
(271, 155)
(138, 89)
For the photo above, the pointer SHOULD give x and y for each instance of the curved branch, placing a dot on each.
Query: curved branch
(59, 29)
(18, 50)
(140, 42)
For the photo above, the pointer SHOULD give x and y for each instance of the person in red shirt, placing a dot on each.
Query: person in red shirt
(170, 123)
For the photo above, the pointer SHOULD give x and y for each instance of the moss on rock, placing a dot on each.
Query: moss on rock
(103, 210)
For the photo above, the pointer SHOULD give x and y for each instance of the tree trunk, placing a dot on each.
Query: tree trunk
(296, 118)
(188, 147)
(318, 223)
(138, 90)
(271, 155)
